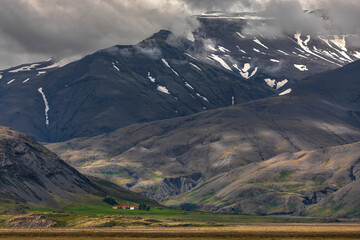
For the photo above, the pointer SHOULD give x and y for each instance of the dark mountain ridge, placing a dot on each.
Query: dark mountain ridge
(30, 173)
(119, 86)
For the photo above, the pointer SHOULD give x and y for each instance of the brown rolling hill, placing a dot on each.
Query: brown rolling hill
(323, 182)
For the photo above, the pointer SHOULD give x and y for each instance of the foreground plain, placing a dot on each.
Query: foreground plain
(262, 231)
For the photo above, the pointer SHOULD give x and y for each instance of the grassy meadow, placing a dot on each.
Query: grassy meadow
(98, 220)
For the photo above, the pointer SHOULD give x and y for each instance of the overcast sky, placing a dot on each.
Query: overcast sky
(32, 30)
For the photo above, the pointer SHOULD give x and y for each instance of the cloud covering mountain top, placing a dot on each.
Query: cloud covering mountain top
(36, 29)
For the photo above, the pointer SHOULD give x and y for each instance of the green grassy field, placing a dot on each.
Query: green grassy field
(100, 221)
(102, 215)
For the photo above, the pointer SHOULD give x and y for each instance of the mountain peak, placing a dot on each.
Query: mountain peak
(162, 35)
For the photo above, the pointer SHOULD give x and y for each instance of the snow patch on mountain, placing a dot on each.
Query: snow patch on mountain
(274, 83)
(40, 73)
(163, 89)
(241, 50)
(281, 84)
(246, 67)
(24, 68)
(343, 53)
(223, 49)
(116, 68)
(274, 60)
(356, 54)
(286, 92)
(270, 82)
(54, 65)
(192, 64)
(301, 67)
(222, 62)
(260, 43)
(244, 72)
(340, 42)
(301, 43)
(210, 47)
(280, 51)
(47, 108)
(1, 76)
(168, 65)
(11, 81)
(254, 72)
(189, 86)
(204, 98)
(240, 35)
(190, 37)
(300, 50)
(151, 78)
(187, 54)
(304, 46)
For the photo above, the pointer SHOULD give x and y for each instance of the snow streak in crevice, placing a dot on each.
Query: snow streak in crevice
(47, 108)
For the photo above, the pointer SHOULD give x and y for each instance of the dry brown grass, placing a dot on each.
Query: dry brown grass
(265, 231)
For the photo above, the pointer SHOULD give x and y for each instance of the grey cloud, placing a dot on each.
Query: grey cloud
(151, 52)
(289, 16)
(222, 5)
(344, 15)
(35, 29)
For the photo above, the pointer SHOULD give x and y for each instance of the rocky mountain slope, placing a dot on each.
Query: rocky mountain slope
(323, 182)
(29, 173)
(119, 86)
(165, 158)
(229, 60)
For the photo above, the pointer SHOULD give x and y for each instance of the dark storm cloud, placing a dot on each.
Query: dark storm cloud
(33, 30)
(30, 29)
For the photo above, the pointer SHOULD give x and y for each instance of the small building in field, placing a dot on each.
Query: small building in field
(125, 207)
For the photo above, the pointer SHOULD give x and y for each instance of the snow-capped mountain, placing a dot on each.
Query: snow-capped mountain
(219, 65)
(119, 86)
(243, 39)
